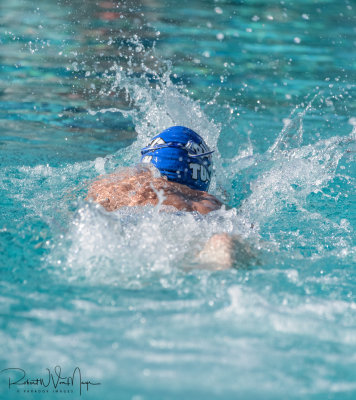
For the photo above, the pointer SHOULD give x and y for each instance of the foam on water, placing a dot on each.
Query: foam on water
(154, 106)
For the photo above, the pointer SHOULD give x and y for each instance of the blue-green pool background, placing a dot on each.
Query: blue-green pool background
(270, 85)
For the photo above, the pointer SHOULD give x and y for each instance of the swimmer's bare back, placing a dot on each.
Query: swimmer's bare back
(138, 187)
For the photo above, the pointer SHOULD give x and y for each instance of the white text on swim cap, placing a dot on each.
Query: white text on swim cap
(156, 141)
(197, 148)
(202, 170)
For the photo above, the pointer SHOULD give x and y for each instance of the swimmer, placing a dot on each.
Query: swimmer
(175, 172)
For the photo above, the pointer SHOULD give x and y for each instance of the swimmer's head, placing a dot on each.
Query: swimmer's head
(182, 156)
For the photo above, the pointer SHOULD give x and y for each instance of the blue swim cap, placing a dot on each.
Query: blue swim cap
(182, 156)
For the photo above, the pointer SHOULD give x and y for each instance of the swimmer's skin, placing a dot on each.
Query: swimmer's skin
(222, 251)
(140, 187)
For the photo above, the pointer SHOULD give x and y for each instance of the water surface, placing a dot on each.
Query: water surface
(270, 85)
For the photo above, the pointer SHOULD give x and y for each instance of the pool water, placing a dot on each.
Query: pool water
(269, 85)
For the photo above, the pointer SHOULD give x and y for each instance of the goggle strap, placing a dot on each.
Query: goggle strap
(201, 155)
(176, 145)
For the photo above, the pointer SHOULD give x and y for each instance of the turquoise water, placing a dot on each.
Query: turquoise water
(271, 86)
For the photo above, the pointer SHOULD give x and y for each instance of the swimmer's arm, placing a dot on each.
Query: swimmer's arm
(224, 251)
